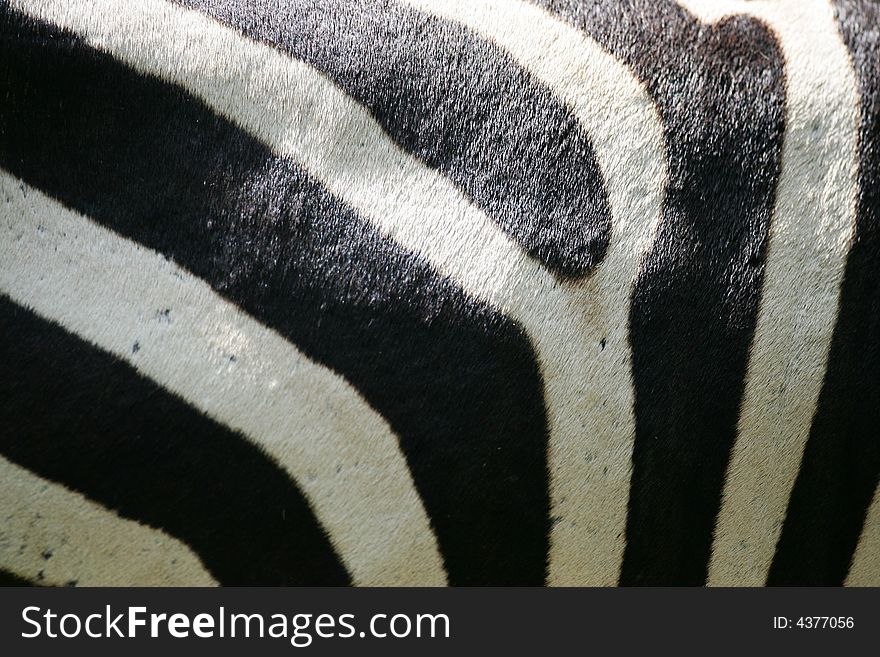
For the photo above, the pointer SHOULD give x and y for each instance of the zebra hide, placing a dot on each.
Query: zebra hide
(427, 292)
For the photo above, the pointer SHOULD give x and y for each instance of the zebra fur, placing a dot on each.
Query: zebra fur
(460, 292)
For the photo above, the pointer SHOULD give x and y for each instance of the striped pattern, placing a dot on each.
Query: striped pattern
(463, 292)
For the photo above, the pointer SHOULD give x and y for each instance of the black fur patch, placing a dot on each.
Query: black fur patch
(11, 579)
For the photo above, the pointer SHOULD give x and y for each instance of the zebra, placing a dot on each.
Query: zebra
(465, 292)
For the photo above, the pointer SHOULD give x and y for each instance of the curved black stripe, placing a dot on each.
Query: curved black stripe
(461, 105)
(841, 463)
(720, 92)
(457, 382)
(8, 579)
(79, 416)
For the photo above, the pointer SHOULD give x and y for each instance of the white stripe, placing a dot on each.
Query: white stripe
(810, 235)
(589, 390)
(865, 567)
(342, 454)
(53, 536)
(302, 115)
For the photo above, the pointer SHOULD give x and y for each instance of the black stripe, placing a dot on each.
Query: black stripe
(79, 416)
(841, 463)
(461, 105)
(720, 92)
(457, 382)
(11, 579)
